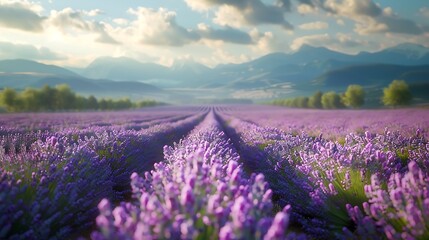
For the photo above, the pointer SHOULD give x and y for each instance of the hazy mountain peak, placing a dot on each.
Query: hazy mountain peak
(189, 65)
(113, 60)
(271, 57)
(308, 47)
(182, 62)
(410, 46)
(410, 50)
(123, 69)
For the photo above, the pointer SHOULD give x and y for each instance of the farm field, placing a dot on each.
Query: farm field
(215, 172)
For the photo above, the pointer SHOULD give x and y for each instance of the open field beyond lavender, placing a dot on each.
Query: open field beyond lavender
(222, 172)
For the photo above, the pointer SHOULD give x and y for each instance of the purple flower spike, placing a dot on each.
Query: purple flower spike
(278, 227)
(199, 189)
(104, 207)
(226, 233)
(187, 197)
(102, 221)
(119, 215)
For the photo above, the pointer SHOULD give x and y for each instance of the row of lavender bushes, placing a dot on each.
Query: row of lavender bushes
(260, 185)
(200, 191)
(52, 181)
(371, 186)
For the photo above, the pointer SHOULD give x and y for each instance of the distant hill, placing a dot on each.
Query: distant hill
(373, 74)
(316, 68)
(298, 68)
(306, 55)
(271, 76)
(181, 73)
(123, 69)
(27, 66)
(403, 54)
(78, 84)
(21, 74)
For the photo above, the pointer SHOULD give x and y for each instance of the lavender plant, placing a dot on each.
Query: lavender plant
(56, 182)
(199, 192)
(347, 174)
(333, 174)
(401, 209)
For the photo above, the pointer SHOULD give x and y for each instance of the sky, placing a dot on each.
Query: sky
(75, 32)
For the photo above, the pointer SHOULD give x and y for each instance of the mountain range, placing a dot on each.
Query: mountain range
(20, 74)
(274, 75)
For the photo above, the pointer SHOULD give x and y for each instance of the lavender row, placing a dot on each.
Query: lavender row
(337, 176)
(288, 185)
(199, 192)
(51, 189)
(396, 209)
(21, 130)
(334, 123)
(11, 140)
(52, 122)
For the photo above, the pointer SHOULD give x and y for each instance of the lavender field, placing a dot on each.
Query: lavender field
(215, 172)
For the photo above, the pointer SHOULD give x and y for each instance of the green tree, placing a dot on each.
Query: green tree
(302, 102)
(9, 98)
(103, 104)
(331, 100)
(315, 101)
(123, 104)
(30, 100)
(92, 103)
(294, 102)
(64, 98)
(354, 96)
(397, 94)
(81, 103)
(148, 103)
(47, 97)
(111, 105)
(60, 98)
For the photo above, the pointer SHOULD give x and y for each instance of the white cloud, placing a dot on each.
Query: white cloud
(229, 16)
(388, 11)
(265, 43)
(346, 41)
(314, 40)
(199, 5)
(223, 56)
(370, 26)
(159, 27)
(121, 21)
(12, 50)
(340, 22)
(153, 32)
(239, 13)
(268, 42)
(22, 15)
(314, 25)
(306, 9)
(25, 4)
(424, 11)
(353, 8)
(26, 16)
(69, 20)
(340, 42)
(226, 34)
(94, 12)
(370, 18)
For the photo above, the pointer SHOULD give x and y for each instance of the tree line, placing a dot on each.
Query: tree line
(61, 98)
(396, 94)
